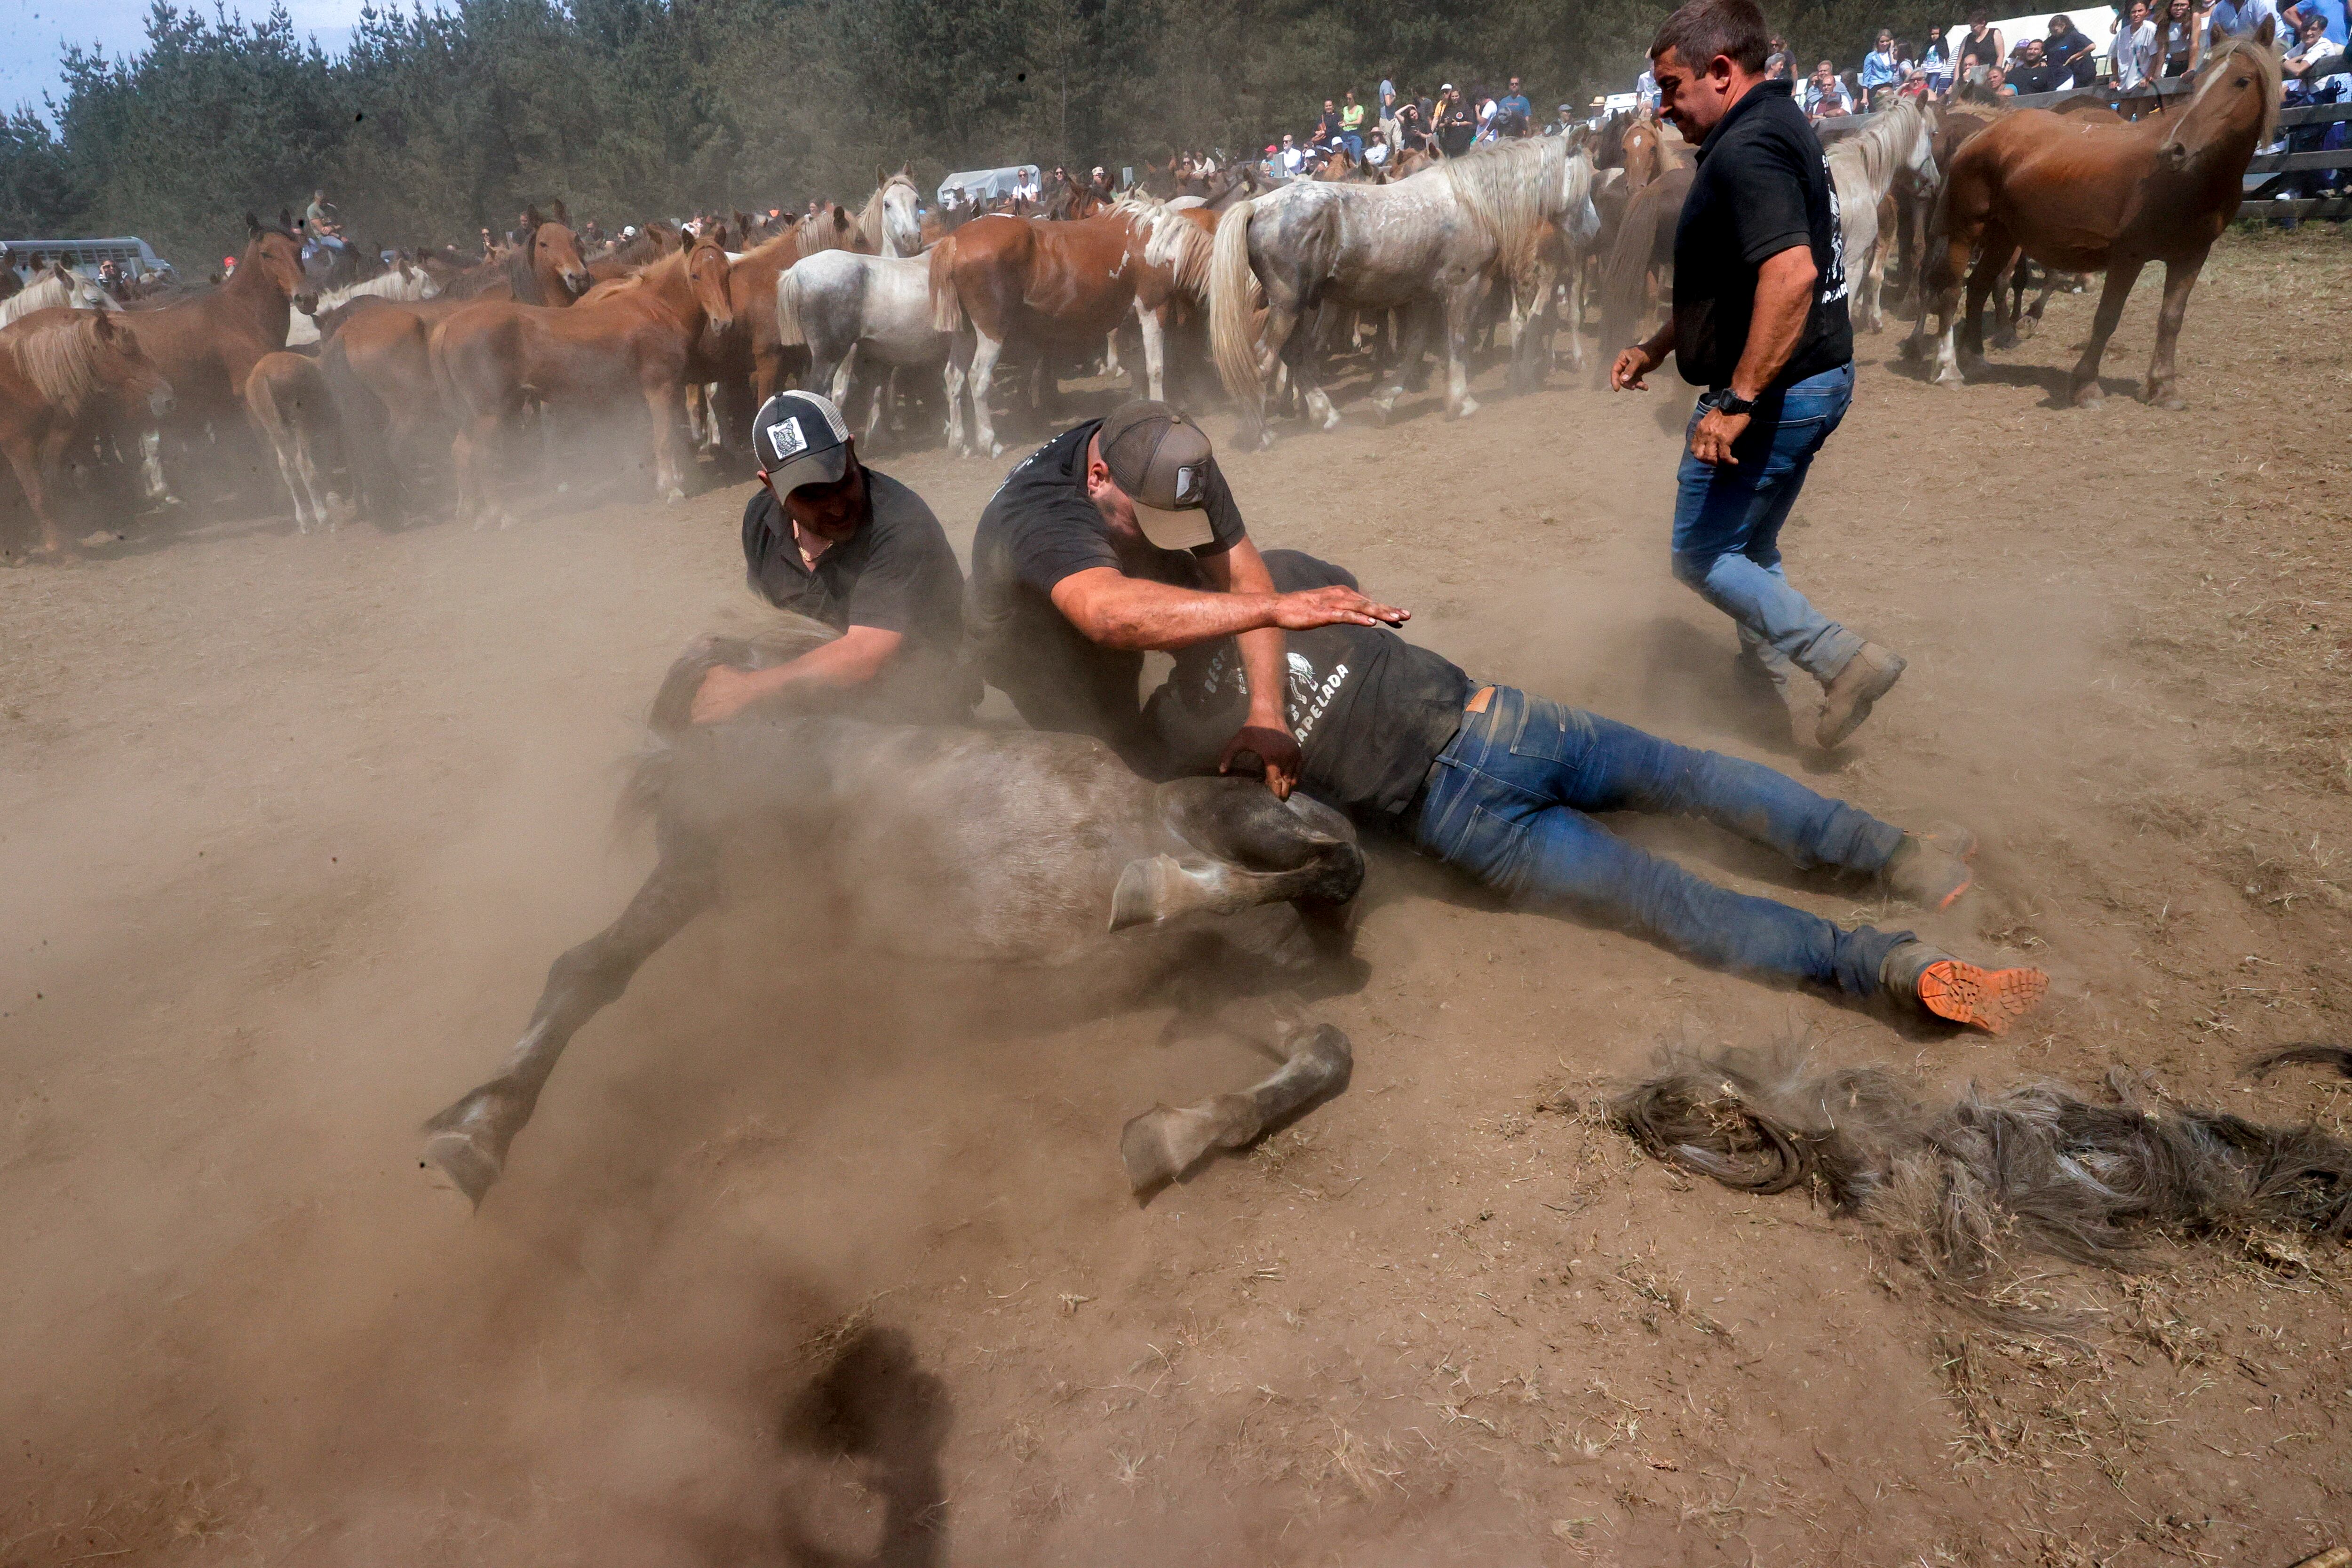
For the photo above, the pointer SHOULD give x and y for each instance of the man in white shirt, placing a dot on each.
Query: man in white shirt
(2135, 50)
(1292, 157)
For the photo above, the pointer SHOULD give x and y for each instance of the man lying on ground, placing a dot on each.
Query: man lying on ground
(831, 539)
(1498, 784)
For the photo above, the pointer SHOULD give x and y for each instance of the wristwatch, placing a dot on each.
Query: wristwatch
(1723, 400)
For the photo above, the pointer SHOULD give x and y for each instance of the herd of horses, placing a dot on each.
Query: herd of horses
(1261, 281)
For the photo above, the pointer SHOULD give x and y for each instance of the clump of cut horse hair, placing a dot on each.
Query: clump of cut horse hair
(1703, 29)
(753, 641)
(1963, 1185)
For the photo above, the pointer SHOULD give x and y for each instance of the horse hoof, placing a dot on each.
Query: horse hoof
(997, 448)
(469, 1167)
(2087, 395)
(1951, 378)
(1469, 406)
(1162, 1143)
(2025, 328)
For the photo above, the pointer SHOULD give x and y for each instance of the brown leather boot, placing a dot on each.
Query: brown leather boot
(1868, 676)
(1961, 993)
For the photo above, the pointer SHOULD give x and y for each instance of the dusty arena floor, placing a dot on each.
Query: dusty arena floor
(810, 1257)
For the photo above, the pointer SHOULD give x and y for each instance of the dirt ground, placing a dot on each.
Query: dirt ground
(813, 1257)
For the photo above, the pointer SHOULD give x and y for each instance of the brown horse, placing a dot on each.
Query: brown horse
(59, 368)
(1638, 276)
(1044, 288)
(637, 334)
(288, 397)
(205, 345)
(2081, 197)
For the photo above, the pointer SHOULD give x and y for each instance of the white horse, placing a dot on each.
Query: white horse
(60, 285)
(1861, 170)
(1429, 244)
(848, 307)
(403, 282)
(892, 219)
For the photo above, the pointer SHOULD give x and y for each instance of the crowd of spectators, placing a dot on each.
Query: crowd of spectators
(1448, 122)
(2147, 40)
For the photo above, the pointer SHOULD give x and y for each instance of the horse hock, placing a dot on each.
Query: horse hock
(1164, 1142)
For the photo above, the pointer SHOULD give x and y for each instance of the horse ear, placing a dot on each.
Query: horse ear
(285, 218)
(531, 217)
(562, 215)
(2267, 33)
(252, 225)
(881, 176)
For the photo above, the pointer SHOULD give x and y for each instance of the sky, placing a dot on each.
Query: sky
(32, 35)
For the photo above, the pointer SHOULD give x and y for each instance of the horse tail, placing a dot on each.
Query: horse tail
(1231, 339)
(947, 305)
(1624, 279)
(789, 331)
(358, 409)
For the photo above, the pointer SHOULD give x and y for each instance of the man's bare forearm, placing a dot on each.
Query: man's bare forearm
(1241, 570)
(851, 660)
(1784, 297)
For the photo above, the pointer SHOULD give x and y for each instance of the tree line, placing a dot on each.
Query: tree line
(436, 123)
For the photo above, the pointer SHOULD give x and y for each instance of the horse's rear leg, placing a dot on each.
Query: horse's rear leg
(957, 371)
(2083, 386)
(1162, 1143)
(1153, 325)
(986, 353)
(1461, 315)
(670, 456)
(468, 1141)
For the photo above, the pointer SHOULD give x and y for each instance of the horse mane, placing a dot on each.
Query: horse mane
(2268, 60)
(58, 356)
(1507, 186)
(53, 287)
(1881, 146)
(1170, 240)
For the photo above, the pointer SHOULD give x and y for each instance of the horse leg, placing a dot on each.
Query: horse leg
(151, 466)
(1573, 292)
(469, 1140)
(1874, 283)
(281, 443)
(1983, 279)
(2083, 385)
(984, 355)
(470, 452)
(306, 464)
(1153, 325)
(2179, 277)
(670, 460)
(1298, 354)
(959, 351)
(1461, 311)
(1163, 1142)
(25, 456)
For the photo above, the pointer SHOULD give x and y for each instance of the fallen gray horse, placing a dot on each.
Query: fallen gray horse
(1000, 846)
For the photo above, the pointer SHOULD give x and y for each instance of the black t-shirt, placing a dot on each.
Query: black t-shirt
(2032, 78)
(1762, 185)
(897, 573)
(1038, 528)
(1456, 130)
(1372, 711)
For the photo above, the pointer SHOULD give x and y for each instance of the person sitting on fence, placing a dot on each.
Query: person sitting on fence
(1376, 151)
(2315, 69)
(2135, 51)
(1881, 70)
(2069, 54)
(1825, 95)
(1351, 126)
(1327, 128)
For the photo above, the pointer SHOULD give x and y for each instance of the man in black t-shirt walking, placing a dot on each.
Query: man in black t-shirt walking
(1759, 320)
(1121, 537)
(831, 539)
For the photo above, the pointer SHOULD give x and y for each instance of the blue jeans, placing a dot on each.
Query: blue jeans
(1355, 145)
(1728, 527)
(1507, 804)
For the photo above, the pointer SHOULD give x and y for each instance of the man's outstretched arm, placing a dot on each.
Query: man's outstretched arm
(854, 657)
(1265, 733)
(1115, 610)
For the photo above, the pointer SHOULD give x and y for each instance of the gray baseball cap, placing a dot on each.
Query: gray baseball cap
(1164, 463)
(799, 439)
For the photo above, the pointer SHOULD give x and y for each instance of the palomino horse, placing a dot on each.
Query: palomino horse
(1040, 287)
(491, 357)
(963, 850)
(205, 345)
(1427, 244)
(289, 400)
(60, 285)
(1863, 169)
(2081, 197)
(59, 369)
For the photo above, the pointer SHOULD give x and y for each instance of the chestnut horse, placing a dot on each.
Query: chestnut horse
(287, 398)
(58, 368)
(491, 357)
(2083, 197)
(1044, 286)
(205, 345)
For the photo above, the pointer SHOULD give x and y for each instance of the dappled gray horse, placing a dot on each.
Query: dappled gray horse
(998, 846)
(856, 311)
(1427, 246)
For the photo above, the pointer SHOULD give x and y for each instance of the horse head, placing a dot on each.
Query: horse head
(553, 254)
(902, 218)
(2235, 108)
(275, 255)
(705, 273)
(125, 368)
